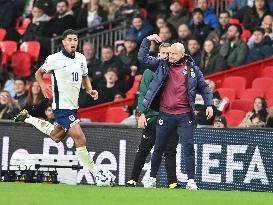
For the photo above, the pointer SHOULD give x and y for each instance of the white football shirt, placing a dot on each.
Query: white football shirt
(66, 78)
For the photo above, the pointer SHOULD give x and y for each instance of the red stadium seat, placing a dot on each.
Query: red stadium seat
(245, 105)
(236, 83)
(115, 114)
(251, 94)
(21, 64)
(234, 21)
(31, 47)
(267, 72)
(133, 90)
(234, 117)
(246, 35)
(21, 28)
(269, 103)
(262, 83)
(269, 94)
(8, 48)
(3, 33)
(227, 92)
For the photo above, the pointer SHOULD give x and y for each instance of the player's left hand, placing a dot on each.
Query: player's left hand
(209, 112)
(94, 94)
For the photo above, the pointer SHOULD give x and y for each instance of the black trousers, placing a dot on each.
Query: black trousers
(146, 144)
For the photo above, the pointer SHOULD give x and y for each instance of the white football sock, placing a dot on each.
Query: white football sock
(86, 159)
(42, 125)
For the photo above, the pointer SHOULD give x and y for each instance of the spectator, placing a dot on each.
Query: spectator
(47, 6)
(199, 29)
(161, 22)
(36, 102)
(109, 60)
(210, 17)
(38, 23)
(262, 47)
(184, 33)
(62, 21)
(110, 87)
(7, 80)
(93, 63)
(49, 113)
(252, 17)
(237, 5)
(21, 94)
(218, 36)
(8, 106)
(36, 31)
(211, 59)
(266, 24)
(75, 6)
(258, 116)
(165, 34)
(140, 28)
(194, 50)
(234, 50)
(220, 122)
(179, 14)
(128, 56)
(129, 9)
(91, 16)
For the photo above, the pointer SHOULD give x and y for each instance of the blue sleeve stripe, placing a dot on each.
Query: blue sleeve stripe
(56, 91)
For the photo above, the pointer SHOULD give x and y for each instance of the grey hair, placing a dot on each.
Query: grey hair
(180, 45)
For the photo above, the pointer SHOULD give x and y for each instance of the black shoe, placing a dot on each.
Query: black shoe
(175, 186)
(131, 183)
(21, 116)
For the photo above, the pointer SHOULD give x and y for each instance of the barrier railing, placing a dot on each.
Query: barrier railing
(96, 37)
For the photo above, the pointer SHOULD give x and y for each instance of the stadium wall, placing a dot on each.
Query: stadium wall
(226, 159)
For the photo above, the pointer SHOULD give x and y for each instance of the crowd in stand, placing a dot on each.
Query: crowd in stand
(240, 34)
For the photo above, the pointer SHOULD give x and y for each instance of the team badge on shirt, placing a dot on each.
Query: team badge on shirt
(71, 118)
(193, 74)
(160, 122)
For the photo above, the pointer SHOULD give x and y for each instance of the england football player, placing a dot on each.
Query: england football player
(69, 71)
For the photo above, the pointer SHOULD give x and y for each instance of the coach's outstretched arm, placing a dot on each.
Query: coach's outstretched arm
(143, 53)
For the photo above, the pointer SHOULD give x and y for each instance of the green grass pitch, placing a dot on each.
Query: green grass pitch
(49, 194)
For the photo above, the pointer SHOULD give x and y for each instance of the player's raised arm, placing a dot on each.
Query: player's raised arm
(88, 87)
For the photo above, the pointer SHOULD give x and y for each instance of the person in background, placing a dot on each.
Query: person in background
(8, 106)
(193, 50)
(93, 64)
(218, 36)
(220, 122)
(36, 102)
(161, 22)
(258, 116)
(49, 113)
(210, 18)
(262, 47)
(111, 86)
(211, 59)
(62, 20)
(140, 28)
(184, 34)
(234, 50)
(92, 16)
(178, 15)
(199, 29)
(21, 94)
(266, 24)
(165, 34)
(128, 56)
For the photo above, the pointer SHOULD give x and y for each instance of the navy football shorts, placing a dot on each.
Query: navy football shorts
(66, 118)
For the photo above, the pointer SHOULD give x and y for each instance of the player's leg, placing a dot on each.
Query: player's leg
(170, 160)
(144, 148)
(185, 131)
(54, 132)
(80, 142)
(165, 125)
